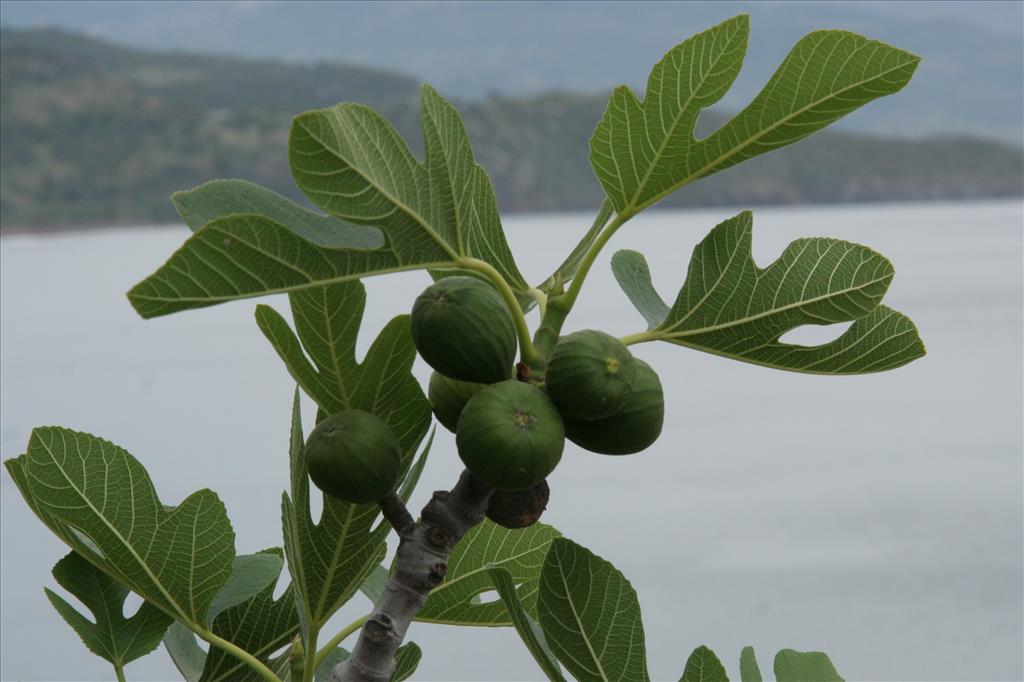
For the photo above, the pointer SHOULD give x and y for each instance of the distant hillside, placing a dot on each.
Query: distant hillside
(970, 80)
(97, 134)
(536, 151)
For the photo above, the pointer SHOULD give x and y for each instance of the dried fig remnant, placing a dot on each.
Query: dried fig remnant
(519, 509)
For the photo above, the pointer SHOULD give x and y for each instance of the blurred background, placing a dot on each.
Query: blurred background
(110, 107)
(876, 518)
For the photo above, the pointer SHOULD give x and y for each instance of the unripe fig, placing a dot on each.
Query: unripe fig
(633, 428)
(353, 456)
(519, 509)
(510, 436)
(463, 329)
(590, 375)
(449, 396)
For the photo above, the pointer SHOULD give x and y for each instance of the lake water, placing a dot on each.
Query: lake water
(876, 518)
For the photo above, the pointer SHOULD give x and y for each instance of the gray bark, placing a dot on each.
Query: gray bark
(420, 566)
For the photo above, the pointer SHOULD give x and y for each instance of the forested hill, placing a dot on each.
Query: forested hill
(95, 134)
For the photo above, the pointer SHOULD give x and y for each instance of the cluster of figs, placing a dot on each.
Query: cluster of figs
(510, 427)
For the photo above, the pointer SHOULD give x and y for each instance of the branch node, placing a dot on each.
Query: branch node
(438, 539)
(379, 628)
(437, 572)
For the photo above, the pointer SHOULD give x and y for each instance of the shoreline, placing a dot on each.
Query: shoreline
(49, 231)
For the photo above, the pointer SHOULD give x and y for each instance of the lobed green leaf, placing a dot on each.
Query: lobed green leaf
(463, 206)
(390, 213)
(328, 322)
(112, 637)
(351, 162)
(329, 560)
(643, 151)
(730, 307)
(99, 500)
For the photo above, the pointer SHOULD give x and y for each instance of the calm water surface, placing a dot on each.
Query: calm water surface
(877, 518)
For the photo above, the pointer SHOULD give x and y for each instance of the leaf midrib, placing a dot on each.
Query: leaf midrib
(579, 623)
(284, 290)
(773, 311)
(735, 150)
(333, 349)
(117, 656)
(326, 585)
(352, 586)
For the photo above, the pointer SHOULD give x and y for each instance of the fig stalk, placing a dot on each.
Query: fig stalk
(420, 565)
(397, 514)
(551, 322)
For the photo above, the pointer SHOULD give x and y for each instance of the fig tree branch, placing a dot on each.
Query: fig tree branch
(420, 566)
